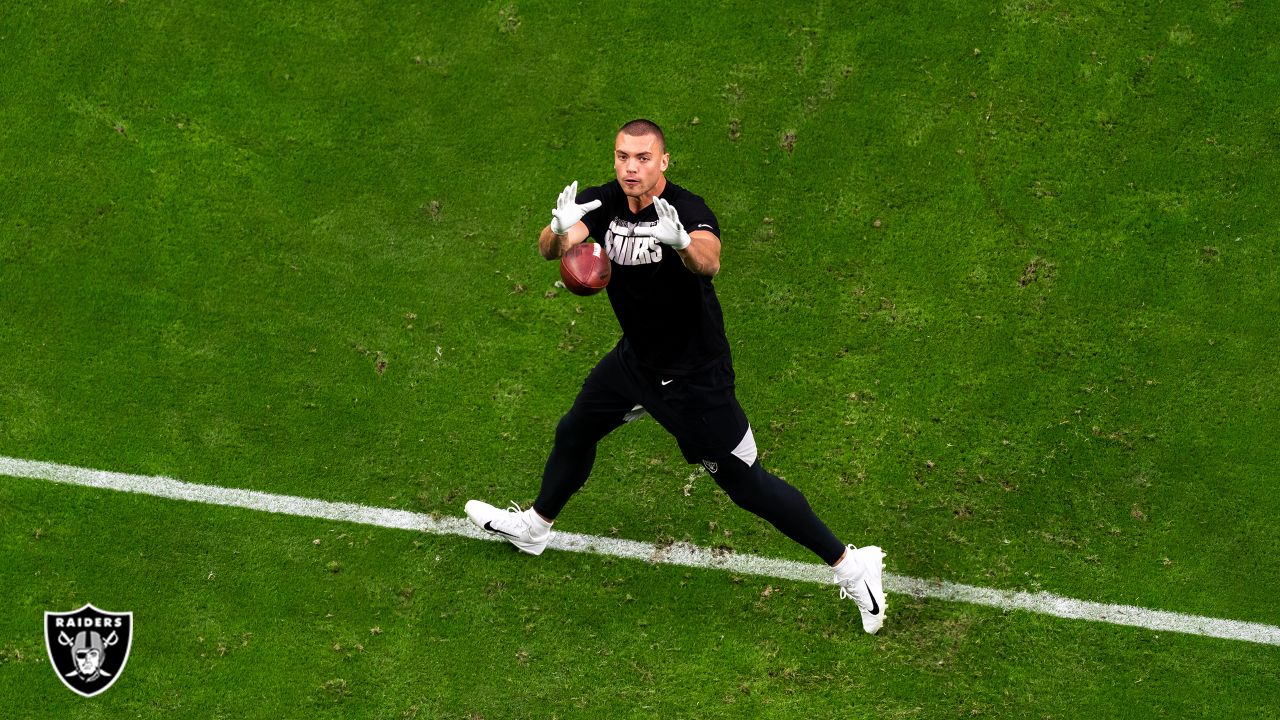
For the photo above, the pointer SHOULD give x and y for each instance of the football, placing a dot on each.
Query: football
(585, 269)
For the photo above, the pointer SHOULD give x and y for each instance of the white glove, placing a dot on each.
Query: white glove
(568, 212)
(668, 231)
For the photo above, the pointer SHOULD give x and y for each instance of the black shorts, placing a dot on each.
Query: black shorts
(699, 409)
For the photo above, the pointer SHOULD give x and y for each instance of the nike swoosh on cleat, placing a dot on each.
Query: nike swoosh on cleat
(875, 606)
(489, 526)
(668, 382)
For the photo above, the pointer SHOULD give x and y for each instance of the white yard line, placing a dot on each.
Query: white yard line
(681, 554)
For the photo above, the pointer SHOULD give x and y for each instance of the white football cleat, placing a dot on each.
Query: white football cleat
(513, 525)
(862, 582)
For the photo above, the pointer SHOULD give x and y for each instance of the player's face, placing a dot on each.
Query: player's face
(639, 163)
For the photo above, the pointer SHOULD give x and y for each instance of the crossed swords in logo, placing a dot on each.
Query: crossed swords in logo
(107, 642)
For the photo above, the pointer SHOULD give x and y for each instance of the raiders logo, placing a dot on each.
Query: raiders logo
(88, 647)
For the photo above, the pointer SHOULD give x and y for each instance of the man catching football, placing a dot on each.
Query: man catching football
(673, 361)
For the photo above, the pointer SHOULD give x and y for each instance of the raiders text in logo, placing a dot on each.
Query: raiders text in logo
(88, 647)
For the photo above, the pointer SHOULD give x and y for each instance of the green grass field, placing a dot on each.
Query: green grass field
(1000, 278)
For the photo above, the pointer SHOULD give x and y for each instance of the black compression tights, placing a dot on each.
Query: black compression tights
(772, 498)
(569, 464)
(751, 487)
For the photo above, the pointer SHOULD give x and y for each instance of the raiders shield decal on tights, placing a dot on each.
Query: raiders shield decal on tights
(88, 647)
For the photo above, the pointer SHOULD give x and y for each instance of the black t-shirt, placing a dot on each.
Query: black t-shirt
(670, 316)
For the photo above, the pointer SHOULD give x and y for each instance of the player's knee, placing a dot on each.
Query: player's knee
(747, 486)
(577, 431)
(568, 433)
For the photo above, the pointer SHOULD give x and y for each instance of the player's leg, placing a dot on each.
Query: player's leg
(711, 427)
(756, 490)
(704, 415)
(858, 571)
(602, 405)
(605, 402)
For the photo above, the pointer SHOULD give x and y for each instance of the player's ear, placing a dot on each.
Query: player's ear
(665, 160)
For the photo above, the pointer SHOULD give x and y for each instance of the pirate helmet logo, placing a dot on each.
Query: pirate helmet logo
(88, 647)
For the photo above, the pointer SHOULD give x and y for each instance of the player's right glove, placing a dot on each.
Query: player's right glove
(568, 212)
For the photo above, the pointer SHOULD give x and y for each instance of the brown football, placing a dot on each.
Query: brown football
(585, 269)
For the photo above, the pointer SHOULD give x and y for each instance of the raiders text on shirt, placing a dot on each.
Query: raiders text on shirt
(627, 249)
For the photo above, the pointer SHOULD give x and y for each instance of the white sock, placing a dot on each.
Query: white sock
(536, 523)
(849, 568)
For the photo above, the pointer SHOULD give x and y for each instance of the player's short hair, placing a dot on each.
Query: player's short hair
(641, 126)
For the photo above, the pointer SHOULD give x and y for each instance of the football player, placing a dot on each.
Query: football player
(672, 361)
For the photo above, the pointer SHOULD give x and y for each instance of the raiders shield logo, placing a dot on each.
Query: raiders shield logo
(88, 647)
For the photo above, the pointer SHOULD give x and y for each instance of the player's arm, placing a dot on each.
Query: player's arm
(699, 250)
(553, 245)
(702, 256)
(566, 228)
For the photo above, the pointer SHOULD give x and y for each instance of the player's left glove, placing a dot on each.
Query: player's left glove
(668, 231)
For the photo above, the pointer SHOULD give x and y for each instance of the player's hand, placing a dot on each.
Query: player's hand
(568, 212)
(668, 231)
